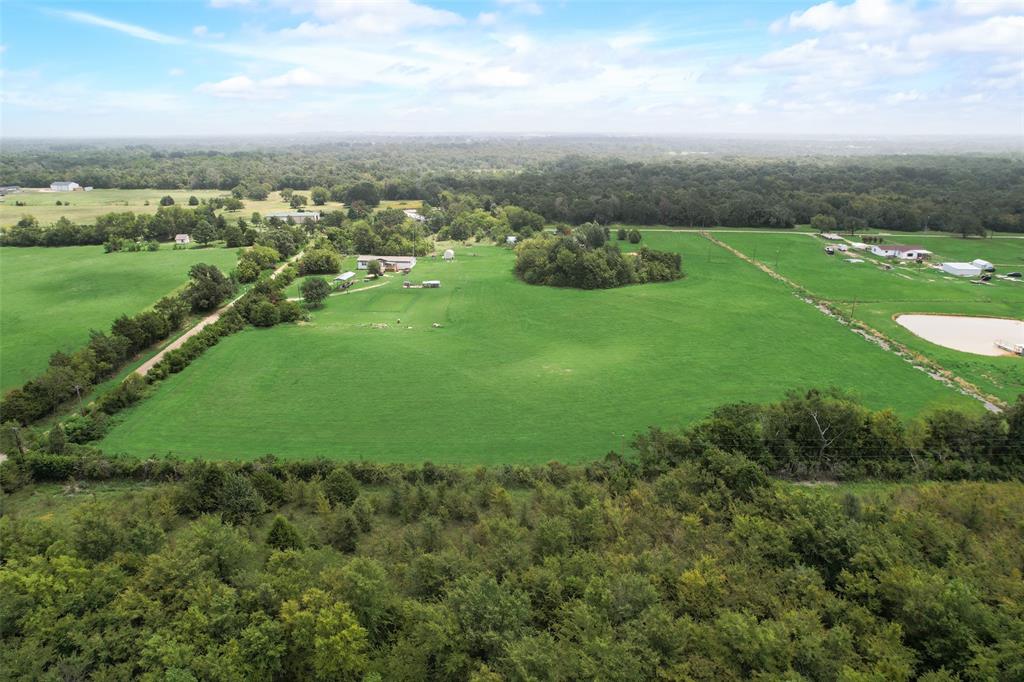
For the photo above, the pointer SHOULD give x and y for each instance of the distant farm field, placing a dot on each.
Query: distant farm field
(514, 373)
(876, 296)
(51, 297)
(85, 207)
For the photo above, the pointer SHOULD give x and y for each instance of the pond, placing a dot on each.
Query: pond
(968, 334)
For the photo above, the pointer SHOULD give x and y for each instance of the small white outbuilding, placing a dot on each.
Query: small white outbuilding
(448, 254)
(961, 269)
(182, 239)
(983, 264)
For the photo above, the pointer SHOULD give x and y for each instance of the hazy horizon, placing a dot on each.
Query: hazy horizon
(866, 68)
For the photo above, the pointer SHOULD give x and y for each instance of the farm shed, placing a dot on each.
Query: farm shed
(961, 269)
(901, 251)
(983, 264)
(296, 216)
(182, 239)
(860, 246)
(431, 283)
(448, 254)
(345, 276)
(65, 186)
(387, 263)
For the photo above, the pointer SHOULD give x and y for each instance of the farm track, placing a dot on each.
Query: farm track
(921, 362)
(344, 293)
(144, 368)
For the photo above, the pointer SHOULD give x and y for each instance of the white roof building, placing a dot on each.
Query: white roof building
(345, 276)
(64, 186)
(296, 216)
(983, 264)
(901, 251)
(393, 263)
(182, 239)
(961, 269)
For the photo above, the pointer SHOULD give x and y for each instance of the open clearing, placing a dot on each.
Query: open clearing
(968, 334)
(875, 296)
(51, 297)
(515, 373)
(87, 206)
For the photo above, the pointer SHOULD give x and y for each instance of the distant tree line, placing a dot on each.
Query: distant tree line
(963, 193)
(585, 259)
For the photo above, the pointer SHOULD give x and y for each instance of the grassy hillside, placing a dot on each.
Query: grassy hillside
(51, 297)
(515, 373)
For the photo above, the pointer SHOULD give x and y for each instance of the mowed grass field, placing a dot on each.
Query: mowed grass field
(87, 206)
(515, 373)
(875, 296)
(51, 297)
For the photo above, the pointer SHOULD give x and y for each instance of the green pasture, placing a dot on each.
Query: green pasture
(875, 296)
(51, 297)
(514, 373)
(87, 206)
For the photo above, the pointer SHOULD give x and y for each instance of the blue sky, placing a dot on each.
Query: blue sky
(871, 67)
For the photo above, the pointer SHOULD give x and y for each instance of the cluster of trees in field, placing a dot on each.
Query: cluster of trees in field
(69, 376)
(707, 569)
(584, 258)
(604, 183)
(388, 232)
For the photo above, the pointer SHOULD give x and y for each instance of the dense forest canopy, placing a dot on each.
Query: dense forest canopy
(684, 562)
(642, 181)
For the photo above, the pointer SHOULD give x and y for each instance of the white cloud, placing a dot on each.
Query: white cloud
(518, 42)
(295, 78)
(903, 97)
(128, 29)
(830, 16)
(175, 72)
(236, 86)
(370, 16)
(984, 7)
(523, 6)
(996, 34)
(487, 18)
(244, 87)
(204, 32)
(625, 41)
